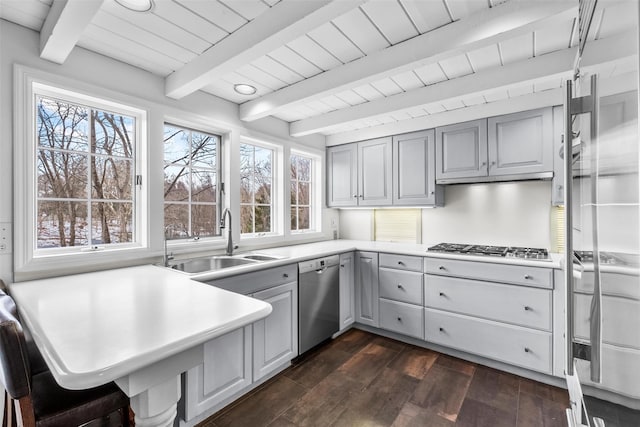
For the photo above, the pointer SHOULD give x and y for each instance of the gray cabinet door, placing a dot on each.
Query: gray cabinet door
(347, 290)
(367, 288)
(226, 371)
(414, 173)
(461, 150)
(342, 175)
(275, 338)
(374, 172)
(521, 143)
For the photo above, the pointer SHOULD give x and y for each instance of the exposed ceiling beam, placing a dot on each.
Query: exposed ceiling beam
(530, 71)
(488, 27)
(601, 55)
(63, 27)
(516, 74)
(282, 23)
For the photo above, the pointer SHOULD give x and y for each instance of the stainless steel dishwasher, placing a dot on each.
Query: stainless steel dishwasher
(318, 301)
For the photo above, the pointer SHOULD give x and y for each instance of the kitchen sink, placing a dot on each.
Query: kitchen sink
(200, 265)
(260, 257)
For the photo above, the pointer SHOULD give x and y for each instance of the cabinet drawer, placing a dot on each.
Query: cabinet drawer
(258, 280)
(617, 314)
(516, 274)
(516, 345)
(403, 318)
(518, 305)
(405, 286)
(401, 262)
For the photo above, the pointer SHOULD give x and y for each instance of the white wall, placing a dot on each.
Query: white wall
(19, 45)
(510, 214)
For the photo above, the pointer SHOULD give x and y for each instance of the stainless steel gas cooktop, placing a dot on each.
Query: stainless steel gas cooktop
(496, 251)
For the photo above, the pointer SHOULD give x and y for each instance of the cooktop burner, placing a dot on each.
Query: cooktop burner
(496, 251)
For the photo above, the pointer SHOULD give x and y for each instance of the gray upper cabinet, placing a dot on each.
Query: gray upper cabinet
(414, 174)
(359, 174)
(342, 175)
(521, 143)
(461, 151)
(374, 172)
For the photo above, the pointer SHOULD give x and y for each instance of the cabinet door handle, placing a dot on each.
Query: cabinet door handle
(528, 277)
(342, 265)
(441, 267)
(441, 329)
(442, 294)
(399, 285)
(400, 319)
(527, 308)
(432, 193)
(361, 196)
(285, 275)
(483, 164)
(527, 350)
(493, 163)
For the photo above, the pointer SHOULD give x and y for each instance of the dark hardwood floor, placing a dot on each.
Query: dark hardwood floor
(361, 379)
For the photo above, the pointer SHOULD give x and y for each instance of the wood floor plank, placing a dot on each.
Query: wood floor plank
(324, 403)
(352, 341)
(442, 391)
(534, 411)
(463, 366)
(544, 391)
(380, 402)
(414, 416)
(478, 414)
(414, 361)
(367, 363)
(495, 388)
(263, 406)
(317, 366)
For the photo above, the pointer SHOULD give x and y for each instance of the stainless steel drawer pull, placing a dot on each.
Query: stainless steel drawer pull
(442, 294)
(400, 263)
(399, 285)
(527, 350)
(399, 319)
(355, 196)
(527, 308)
(441, 329)
(342, 265)
(441, 267)
(528, 277)
(285, 275)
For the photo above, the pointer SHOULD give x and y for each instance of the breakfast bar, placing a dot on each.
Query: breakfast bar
(140, 327)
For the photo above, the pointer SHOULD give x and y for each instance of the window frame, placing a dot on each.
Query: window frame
(219, 203)
(276, 190)
(315, 193)
(28, 86)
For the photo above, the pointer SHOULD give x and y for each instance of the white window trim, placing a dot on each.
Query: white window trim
(277, 192)
(315, 201)
(27, 257)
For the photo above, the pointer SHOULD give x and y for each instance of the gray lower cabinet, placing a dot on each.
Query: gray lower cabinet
(461, 151)
(347, 290)
(275, 338)
(521, 143)
(366, 288)
(414, 171)
(499, 311)
(226, 371)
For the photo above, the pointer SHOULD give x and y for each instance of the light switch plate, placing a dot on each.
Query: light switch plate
(5, 237)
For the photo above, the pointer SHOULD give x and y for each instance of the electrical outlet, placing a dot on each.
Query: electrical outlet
(5, 237)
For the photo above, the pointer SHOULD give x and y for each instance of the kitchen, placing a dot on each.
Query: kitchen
(365, 75)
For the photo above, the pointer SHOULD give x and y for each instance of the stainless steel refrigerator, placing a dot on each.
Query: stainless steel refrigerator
(602, 195)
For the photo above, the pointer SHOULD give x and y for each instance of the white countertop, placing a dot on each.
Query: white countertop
(297, 253)
(97, 327)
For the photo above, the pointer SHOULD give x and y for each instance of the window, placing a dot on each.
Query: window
(191, 183)
(301, 197)
(85, 174)
(256, 184)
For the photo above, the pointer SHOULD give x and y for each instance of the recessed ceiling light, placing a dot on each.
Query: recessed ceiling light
(136, 5)
(244, 89)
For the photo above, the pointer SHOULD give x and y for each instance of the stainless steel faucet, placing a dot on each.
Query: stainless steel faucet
(223, 224)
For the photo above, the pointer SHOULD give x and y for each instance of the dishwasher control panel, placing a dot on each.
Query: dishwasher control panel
(318, 264)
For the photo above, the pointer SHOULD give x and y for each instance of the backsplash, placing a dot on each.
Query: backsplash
(509, 213)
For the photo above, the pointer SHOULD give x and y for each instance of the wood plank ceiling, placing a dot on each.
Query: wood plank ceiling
(333, 67)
